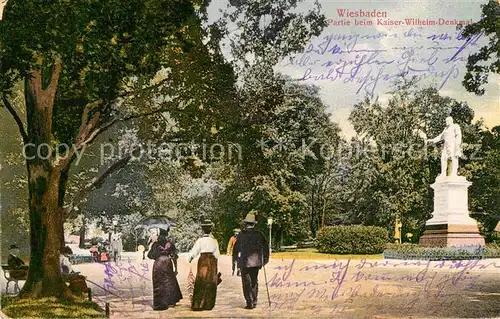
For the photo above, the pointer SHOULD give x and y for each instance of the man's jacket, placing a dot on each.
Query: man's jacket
(252, 247)
(230, 245)
(15, 262)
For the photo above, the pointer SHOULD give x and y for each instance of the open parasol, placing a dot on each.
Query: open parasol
(162, 222)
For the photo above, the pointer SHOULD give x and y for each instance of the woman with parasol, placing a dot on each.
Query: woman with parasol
(166, 290)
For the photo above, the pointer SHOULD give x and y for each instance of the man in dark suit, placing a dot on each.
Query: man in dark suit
(253, 249)
(18, 269)
(13, 261)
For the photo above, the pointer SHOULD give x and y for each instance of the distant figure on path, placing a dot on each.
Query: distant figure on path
(230, 246)
(116, 246)
(94, 251)
(166, 290)
(104, 255)
(207, 276)
(254, 254)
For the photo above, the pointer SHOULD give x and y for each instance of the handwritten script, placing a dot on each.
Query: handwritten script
(367, 60)
(324, 288)
(332, 288)
(126, 282)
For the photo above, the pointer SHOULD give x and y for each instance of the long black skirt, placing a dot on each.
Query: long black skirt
(205, 285)
(166, 290)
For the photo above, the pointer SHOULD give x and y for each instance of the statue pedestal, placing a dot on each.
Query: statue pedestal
(451, 224)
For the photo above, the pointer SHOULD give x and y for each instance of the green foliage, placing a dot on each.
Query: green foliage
(493, 238)
(480, 64)
(148, 57)
(184, 199)
(184, 235)
(14, 307)
(285, 124)
(413, 251)
(270, 30)
(391, 175)
(485, 177)
(97, 50)
(15, 230)
(352, 240)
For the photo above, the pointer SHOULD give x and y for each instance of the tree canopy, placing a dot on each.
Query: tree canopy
(487, 60)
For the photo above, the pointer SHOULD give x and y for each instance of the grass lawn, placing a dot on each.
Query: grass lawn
(312, 253)
(14, 307)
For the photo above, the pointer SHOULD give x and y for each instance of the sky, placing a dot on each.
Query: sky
(364, 59)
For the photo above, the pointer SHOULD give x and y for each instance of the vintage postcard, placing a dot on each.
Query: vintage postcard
(250, 158)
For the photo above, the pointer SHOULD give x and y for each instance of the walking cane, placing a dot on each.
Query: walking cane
(267, 288)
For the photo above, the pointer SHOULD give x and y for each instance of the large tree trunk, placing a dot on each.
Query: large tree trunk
(60, 202)
(44, 184)
(44, 277)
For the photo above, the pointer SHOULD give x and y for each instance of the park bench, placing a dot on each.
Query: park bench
(80, 259)
(289, 248)
(14, 275)
(306, 244)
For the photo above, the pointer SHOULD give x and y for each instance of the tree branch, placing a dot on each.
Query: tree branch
(56, 73)
(87, 125)
(149, 88)
(91, 136)
(106, 126)
(99, 181)
(16, 118)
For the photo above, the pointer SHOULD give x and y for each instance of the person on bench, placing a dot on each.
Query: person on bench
(16, 268)
(76, 281)
(14, 262)
(66, 268)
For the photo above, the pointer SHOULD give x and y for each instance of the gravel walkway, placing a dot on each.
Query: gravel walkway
(315, 288)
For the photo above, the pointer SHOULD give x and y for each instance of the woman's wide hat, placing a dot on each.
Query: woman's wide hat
(250, 218)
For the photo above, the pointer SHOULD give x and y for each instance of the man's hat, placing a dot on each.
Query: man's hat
(13, 246)
(207, 223)
(250, 218)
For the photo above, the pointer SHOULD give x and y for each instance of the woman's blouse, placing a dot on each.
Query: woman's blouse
(205, 244)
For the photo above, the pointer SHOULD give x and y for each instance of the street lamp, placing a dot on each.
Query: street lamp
(270, 225)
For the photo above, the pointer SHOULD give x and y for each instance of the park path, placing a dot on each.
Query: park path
(316, 288)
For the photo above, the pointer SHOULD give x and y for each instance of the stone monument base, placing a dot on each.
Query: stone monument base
(451, 235)
(451, 224)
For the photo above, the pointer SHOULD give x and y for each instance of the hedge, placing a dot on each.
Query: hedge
(351, 240)
(416, 252)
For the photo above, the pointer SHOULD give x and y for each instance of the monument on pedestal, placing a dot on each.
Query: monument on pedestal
(450, 224)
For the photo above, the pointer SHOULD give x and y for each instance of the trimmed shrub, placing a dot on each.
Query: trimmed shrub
(416, 252)
(351, 240)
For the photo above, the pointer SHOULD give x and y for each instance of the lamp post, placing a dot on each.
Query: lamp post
(135, 233)
(113, 241)
(270, 225)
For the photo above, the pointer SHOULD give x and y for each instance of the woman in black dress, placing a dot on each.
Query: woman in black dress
(166, 290)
